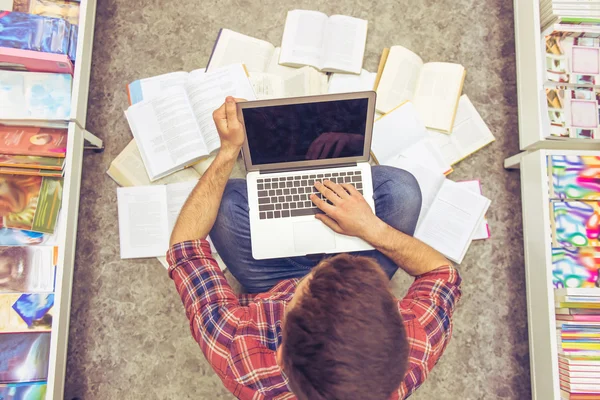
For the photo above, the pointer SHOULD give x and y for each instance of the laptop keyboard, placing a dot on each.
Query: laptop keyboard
(289, 196)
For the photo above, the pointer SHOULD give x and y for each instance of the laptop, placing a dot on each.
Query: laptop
(290, 144)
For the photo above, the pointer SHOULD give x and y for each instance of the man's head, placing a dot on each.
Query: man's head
(343, 337)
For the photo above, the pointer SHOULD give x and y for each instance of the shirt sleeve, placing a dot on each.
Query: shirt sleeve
(431, 299)
(211, 306)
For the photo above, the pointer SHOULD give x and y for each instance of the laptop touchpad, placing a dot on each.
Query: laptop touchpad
(312, 237)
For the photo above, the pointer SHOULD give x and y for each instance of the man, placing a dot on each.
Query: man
(312, 328)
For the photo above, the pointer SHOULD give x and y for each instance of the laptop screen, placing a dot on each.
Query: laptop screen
(306, 131)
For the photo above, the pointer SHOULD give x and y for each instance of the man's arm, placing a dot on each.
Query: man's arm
(199, 212)
(351, 215)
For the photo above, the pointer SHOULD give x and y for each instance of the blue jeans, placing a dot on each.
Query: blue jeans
(397, 202)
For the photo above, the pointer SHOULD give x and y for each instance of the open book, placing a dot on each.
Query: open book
(259, 56)
(330, 44)
(348, 83)
(127, 169)
(400, 134)
(483, 230)
(450, 213)
(150, 88)
(304, 81)
(147, 215)
(469, 134)
(176, 129)
(434, 88)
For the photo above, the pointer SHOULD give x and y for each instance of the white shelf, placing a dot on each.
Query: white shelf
(537, 237)
(67, 231)
(530, 80)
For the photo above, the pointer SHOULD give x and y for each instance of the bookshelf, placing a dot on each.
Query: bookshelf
(66, 231)
(532, 106)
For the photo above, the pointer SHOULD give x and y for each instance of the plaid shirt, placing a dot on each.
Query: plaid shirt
(240, 334)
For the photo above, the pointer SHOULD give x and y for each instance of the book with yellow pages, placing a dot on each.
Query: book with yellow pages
(434, 88)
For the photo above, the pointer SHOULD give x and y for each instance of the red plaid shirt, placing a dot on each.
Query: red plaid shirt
(240, 334)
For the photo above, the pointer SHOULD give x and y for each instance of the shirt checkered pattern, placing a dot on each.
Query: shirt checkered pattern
(240, 334)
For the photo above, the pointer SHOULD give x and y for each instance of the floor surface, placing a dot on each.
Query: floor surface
(129, 338)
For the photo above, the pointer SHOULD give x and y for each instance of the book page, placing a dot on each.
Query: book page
(143, 221)
(399, 78)
(344, 45)
(429, 181)
(267, 86)
(177, 194)
(395, 132)
(451, 220)
(482, 231)
(127, 169)
(150, 88)
(469, 134)
(348, 83)
(166, 132)
(302, 42)
(437, 94)
(426, 153)
(277, 69)
(234, 48)
(208, 92)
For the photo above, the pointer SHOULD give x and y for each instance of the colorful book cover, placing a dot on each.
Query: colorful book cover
(574, 177)
(35, 32)
(30, 202)
(28, 269)
(35, 61)
(32, 162)
(574, 60)
(31, 172)
(575, 267)
(35, 95)
(573, 112)
(19, 237)
(24, 357)
(32, 141)
(67, 10)
(23, 391)
(24, 312)
(575, 223)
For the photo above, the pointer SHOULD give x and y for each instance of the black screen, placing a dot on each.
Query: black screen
(309, 131)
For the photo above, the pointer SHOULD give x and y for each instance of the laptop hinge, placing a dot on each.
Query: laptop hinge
(344, 165)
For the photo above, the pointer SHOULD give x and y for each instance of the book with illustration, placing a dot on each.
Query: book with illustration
(67, 10)
(21, 30)
(575, 223)
(23, 391)
(576, 267)
(32, 162)
(573, 112)
(33, 141)
(24, 357)
(434, 88)
(574, 177)
(25, 312)
(28, 269)
(30, 202)
(573, 60)
(35, 98)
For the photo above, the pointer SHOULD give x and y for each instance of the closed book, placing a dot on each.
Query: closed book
(34, 32)
(566, 395)
(35, 61)
(575, 267)
(25, 312)
(574, 177)
(31, 172)
(573, 223)
(33, 141)
(24, 391)
(32, 162)
(24, 357)
(35, 98)
(28, 269)
(577, 311)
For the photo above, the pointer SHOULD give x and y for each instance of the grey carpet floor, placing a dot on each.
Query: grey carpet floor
(129, 338)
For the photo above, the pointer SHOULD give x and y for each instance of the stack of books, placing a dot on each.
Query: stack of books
(37, 55)
(426, 125)
(578, 339)
(567, 12)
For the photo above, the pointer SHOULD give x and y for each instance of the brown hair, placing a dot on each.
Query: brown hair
(345, 338)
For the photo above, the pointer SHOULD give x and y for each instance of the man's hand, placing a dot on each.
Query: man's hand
(350, 213)
(229, 127)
